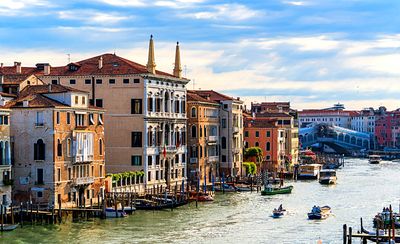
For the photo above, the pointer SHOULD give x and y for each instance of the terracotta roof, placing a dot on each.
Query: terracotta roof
(35, 101)
(272, 115)
(193, 96)
(3, 94)
(311, 112)
(214, 96)
(15, 79)
(112, 65)
(46, 89)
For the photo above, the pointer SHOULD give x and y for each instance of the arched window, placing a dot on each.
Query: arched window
(223, 142)
(268, 146)
(201, 132)
(39, 150)
(166, 101)
(69, 147)
(193, 113)
(194, 131)
(257, 144)
(2, 160)
(100, 147)
(205, 131)
(59, 148)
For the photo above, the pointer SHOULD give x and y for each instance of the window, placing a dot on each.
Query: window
(125, 81)
(59, 148)
(58, 117)
(193, 112)
(149, 160)
(101, 147)
(39, 194)
(157, 159)
(201, 132)
(136, 160)
(39, 150)
(5, 120)
(225, 106)
(83, 100)
(39, 176)
(69, 174)
(246, 134)
(268, 133)
(194, 131)
(223, 123)
(223, 158)
(149, 176)
(99, 81)
(268, 146)
(88, 81)
(91, 119)
(72, 81)
(111, 81)
(268, 157)
(68, 118)
(54, 82)
(58, 174)
(257, 134)
(136, 80)
(136, 106)
(39, 119)
(101, 171)
(136, 139)
(76, 99)
(80, 119)
(69, 147)
(101, 119)
(257, 144)
(223, 142)
(99, 103)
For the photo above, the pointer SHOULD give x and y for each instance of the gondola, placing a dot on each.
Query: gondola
(372, 235)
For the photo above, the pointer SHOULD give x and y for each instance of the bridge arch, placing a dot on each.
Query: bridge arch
(340, 137)
(347, 138)
(366, 144)
(359, 142)
(353, 140)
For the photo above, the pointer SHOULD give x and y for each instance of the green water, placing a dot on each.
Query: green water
(362, 190)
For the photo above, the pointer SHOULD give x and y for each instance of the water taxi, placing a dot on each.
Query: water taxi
(319, 212)
(309, 171)
(277, 190)
(327, 177)
(374, 159)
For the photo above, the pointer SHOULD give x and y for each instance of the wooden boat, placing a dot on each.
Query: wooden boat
(8, 227)
(278, 190)
(226, 188)
(309, 171)
(319, 212)
(374, 159)
(327, 176)
(200, 196)
(129, 210)
(111, 213)
(277, 213)
(143, 204)
(383, 219)
(371, 235)
(245, 188)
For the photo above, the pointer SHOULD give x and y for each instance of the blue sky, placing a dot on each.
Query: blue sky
(312, 53)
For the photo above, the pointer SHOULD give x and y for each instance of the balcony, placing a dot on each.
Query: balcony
(83, 158)
(194, 160)
(168, 149)
(235, 130)
(84, 181)
(212, 140)
(213, 158)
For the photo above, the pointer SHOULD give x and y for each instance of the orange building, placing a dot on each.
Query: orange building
(267, 135)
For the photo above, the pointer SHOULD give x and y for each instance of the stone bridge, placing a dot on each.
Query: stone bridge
(334, 136)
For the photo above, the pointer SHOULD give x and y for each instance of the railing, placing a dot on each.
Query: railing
(83, 158)
(194, 160)
(168, 149)
(83, 180)
(212, 138)
(213, 158)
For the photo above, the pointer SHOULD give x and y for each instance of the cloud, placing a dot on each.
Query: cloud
(232, 12)
(125, 3)
(93, 17)
(295, 3)
(20, 7)
(161, 3)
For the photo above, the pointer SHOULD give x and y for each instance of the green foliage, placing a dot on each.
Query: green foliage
(254, 152)
(251, 168)
(125, 175)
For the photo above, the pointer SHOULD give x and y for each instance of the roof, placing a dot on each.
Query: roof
(215, 96)
(193, 96)
(272, 115)
(3, 94)
(15, 79)
(35, 101)
(47, 89)
(112, 65)
(311, 112)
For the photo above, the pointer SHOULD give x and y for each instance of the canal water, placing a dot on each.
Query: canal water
(362, 190)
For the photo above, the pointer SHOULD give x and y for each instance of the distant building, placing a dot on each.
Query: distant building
(387, 130)
(59, 146)
(335, 115)
(203, 138)
(231, 131)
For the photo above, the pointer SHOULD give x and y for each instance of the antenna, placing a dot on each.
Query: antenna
(185, 69)
(69, 58)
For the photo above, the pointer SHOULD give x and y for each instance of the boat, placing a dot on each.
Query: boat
(374, 159)
(276, 190)
(327, 177)
(200, 196)
(245, 188)
(8, 227)
(371, 235)
(144, 204)
(319, 212)
(226, 188)
(279, 212)
(129, 210)
(382, 219)
(332, 165)
(309, 171)
(111, 213)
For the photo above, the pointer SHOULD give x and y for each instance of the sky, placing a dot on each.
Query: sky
(313, 53)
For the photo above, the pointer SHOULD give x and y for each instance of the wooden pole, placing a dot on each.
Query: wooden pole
(20, 213)
(2, 218)
(12, 214)
(344, 234)
(377, 235)
(350, 235)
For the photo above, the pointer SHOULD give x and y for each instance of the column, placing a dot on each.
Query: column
(153, 100)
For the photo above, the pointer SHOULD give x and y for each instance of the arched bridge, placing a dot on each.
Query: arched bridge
(334, 136)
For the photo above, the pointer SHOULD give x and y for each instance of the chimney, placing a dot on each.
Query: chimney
(46, 70)
(25, 103)
(100, 62)
(49, 87)
(177, 68)
(151, 63)
(1, 65)
(1, 79)
(17, 67)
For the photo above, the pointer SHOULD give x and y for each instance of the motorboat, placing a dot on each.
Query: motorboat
(327, 176)
(276, 190)
(279, 212)
(319, 212)
(309, 171)
(112, 213)
(200, 196)
(374, 159)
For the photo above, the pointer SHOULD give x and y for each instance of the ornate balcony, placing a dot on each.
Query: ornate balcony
(213, 158)
(84, 181)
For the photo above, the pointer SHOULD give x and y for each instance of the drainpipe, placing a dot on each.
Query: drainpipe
(93, 91)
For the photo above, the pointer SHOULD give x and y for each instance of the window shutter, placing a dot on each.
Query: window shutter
(35, 152)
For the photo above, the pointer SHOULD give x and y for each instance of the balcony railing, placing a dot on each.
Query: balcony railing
(168, 149)
(212, 138)
(83, 158)
(213, 158)
(83, 180)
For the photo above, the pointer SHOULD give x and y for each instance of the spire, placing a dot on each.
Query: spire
(151, 64)
(177, 68)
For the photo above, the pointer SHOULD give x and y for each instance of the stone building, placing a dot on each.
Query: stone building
(203, 139)
(59, 147)
(5, 157)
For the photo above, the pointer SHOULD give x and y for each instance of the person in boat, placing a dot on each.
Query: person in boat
(280, 208)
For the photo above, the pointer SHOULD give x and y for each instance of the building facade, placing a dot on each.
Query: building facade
(59, 146)
(5, 157)
(203, 139)
(231, 132)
